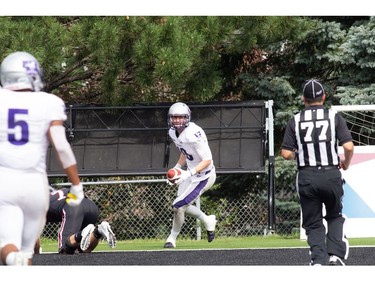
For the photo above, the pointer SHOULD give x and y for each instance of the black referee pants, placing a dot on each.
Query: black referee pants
(318, 187)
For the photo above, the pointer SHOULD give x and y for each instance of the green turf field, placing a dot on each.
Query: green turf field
(271, 241)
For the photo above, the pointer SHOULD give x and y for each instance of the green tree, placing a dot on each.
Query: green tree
(121, 60)
(124, 60)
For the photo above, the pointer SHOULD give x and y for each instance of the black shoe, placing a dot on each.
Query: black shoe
(169, 245)
(334, 260)
(210, 236)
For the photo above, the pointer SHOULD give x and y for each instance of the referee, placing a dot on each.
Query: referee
(312, 137)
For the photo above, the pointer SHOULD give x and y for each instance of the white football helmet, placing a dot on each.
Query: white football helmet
(20, 71)
(179, 109)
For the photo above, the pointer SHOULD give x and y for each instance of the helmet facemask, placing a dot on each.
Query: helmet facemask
(179, 116)
(178, 122)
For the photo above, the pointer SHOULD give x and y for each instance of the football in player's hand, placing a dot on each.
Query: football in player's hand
(173, 174)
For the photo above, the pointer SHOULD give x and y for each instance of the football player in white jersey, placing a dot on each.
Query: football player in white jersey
(29, 121)
(200, 175)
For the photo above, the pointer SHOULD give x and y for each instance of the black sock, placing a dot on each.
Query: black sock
(78, 236)
(96, 233)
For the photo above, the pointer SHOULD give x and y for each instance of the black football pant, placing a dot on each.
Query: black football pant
(318, 187)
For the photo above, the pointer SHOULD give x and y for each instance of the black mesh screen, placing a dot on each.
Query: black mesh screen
(133, 140)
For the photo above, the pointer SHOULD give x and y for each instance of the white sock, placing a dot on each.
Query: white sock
(196, 213)
(173, 236)
(178, 221)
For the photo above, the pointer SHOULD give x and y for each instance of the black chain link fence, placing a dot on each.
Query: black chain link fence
(142, 209)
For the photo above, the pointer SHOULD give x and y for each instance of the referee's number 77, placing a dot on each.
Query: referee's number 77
(311, 127)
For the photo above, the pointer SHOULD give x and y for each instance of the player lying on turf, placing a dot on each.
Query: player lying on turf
(77, 232)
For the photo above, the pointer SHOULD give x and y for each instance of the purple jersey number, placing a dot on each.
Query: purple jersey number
(13, 124)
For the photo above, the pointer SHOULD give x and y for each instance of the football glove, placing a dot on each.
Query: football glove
(75, 195)
(184, 175)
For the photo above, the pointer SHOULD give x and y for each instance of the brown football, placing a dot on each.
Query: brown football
(173, 174)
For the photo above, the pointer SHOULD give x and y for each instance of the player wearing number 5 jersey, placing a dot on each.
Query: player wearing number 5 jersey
(312, 137)
(195, 153)
(29, 121)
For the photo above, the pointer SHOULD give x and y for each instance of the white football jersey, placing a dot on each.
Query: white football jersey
(193, 143)
(24, 121)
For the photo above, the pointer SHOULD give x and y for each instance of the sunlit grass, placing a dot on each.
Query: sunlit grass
(270, 241)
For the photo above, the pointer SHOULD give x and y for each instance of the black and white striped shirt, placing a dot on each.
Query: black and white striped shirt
(315, 133)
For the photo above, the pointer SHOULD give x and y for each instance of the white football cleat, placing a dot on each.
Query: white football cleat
(86, 233)
(170, 243)
(105, 229)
